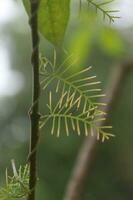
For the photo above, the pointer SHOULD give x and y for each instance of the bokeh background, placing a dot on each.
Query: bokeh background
(99, 44)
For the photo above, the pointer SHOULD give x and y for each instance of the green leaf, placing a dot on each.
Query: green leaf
(107, 13)
(53, 19)
(16, 186)
(80, 42)
(111, 42)
(76, 108)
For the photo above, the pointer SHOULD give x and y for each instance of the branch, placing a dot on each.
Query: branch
(76, 184)
(34, 116)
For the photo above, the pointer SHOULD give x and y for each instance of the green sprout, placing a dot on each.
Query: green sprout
(16, 185)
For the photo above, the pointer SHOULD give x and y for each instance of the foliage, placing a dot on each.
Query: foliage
(110, 42)
(75, 104)
(89, 32)
(75, 107)
(17, 185)
(53, 22)
(53, 16)
(106, 13)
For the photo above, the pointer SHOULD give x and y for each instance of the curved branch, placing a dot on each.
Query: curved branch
(76, 184)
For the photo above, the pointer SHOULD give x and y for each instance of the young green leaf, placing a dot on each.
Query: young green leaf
(75, 107)
(16, 186)
(53, 19)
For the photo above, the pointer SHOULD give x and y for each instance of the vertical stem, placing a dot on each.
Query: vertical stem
(34, 115)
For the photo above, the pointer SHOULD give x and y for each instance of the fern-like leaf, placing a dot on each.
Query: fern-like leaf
(67, 112)
(110, 14)
(75, 107)
(17, 185)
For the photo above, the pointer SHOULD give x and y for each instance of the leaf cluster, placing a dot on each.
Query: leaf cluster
(76, 106)
(17, 185)
(54, 15)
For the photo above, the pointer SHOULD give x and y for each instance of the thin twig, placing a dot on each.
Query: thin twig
(76, 185)
(34, 113)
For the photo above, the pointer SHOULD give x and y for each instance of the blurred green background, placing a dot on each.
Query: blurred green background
(98, 44)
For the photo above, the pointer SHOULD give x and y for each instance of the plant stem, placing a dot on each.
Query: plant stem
(34, 114)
